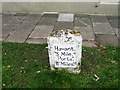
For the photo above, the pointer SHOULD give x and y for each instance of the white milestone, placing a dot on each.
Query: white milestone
(65, 50)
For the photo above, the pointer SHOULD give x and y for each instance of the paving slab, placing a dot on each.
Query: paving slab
(41, 31)
(82, 16)
(114, 23)
(47, 21)
(89, 43)
(86, 32)
(21, 14)
(0, 39)
(63, 25)
(82, 22)
(6, 17)
(32, 18)
(99, 19)
(36, 41)
(0, 18)
(21, 27)
(117, 31)
(51, 15)
(113, 17)
(7, 29)
(0, 31)
(107, 40)
(15, 20)
(65, 17)
(21, 33)
(103, 28)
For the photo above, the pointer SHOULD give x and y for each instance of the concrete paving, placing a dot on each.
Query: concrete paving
(34, 28)
(103, 28)
(21, 33)
(41, 31)
(63, 25)
(107, 40)
(65, 17)
(86, 32)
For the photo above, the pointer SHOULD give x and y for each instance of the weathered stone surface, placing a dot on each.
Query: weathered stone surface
(63, 25)
(99, 19)
(65, 17)
(82, 22)
(32, 18)
(64, 47)
(86, 32)
(107, 40)
(41, 31)
(21, 33)
(37, 41)
(89, 43)
(103, 28)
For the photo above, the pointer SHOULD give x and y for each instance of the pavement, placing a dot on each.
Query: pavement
(34, 28)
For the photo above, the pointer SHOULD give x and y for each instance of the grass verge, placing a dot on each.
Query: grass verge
(27, 66)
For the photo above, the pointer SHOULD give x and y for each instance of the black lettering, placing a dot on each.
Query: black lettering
(63, 49)
(65, 53)
(56, 48)
(60, 58)
(69, 59)
(57, 63)
(66, 64)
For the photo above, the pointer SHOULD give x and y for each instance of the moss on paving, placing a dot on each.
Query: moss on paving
(26, 66)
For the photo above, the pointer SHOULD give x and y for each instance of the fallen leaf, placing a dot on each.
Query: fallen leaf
(98, 66)
(84, 50)
(46, 47)
(38, 71)
(35, 60)
(25, 60)
(3, 85)
(22, 67)
(96, 77)
(8, 66)
(113, 62)
(104, 47)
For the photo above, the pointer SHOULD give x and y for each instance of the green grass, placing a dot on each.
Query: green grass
(21, 62)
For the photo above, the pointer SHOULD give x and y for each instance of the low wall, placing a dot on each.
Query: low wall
(74, 7)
